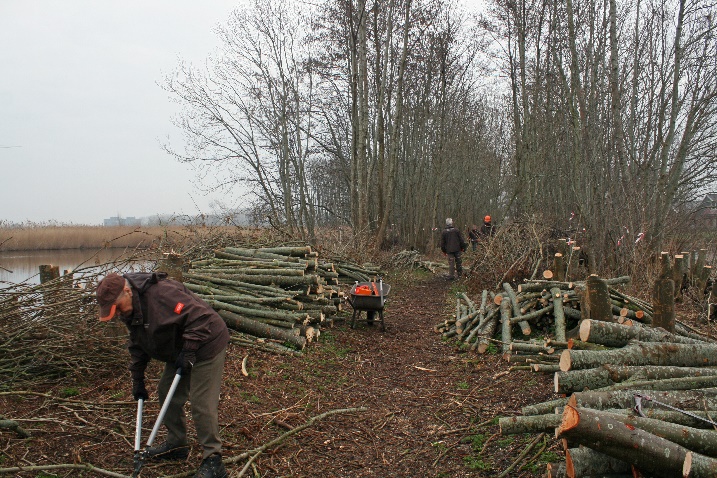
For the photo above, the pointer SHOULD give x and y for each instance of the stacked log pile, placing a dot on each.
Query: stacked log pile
(412, 260)
(274, 296)
(635, 399)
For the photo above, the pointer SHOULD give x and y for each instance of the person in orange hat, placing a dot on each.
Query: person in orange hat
(169, 323)
(487, 229)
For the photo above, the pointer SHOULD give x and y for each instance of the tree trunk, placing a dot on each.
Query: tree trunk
(559, 314)
(529, 424)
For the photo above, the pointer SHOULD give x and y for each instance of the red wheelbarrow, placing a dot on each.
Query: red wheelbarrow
(369, 297)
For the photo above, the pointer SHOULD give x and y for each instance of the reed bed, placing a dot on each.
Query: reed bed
(44, 237)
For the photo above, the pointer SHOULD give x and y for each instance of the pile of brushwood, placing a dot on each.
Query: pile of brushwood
(278, 298)
(638, 388)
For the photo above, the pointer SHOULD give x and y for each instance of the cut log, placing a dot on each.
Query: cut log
(582, 462)
(558, 313)
(618, 335)
(671, 417)
(607, 375)
(529, 424)
(523, 323)
(243, 324)
(683, 399)
(646, 451)
(698, 440)
(506, 335)
(679, 355)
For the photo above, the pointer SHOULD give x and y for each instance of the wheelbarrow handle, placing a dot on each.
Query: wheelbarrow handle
(165, 406)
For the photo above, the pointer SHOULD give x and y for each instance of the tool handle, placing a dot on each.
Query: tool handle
(165, 406)
(138, 426)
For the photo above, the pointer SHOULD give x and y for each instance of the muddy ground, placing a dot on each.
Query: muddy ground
(428, 408)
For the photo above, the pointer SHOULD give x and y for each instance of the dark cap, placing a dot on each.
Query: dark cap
(108, 290)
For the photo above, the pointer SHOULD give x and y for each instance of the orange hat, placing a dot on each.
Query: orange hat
(486, 219)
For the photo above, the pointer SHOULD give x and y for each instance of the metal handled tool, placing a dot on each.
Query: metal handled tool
(638, 408)
(140, 456)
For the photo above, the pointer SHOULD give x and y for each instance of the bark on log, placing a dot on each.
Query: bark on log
(558, 313)
(683, 399)
(506, 335)
(644, 450)
(671, 417)
(664, 305)
(698, 440)
(598, 298)
(608, 375)
(523, 323)
(679, 355)
(559, 267)
(529, 424)
(243, 324)
(585, 462)
(617, 335)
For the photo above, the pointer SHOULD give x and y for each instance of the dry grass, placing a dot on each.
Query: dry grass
(93, 237)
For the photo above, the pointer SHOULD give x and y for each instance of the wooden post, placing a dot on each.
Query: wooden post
(173, 265)
(559, 267)
(663, 305)
(666, 262)
(678, 273)
(598, 297)
(49, 272)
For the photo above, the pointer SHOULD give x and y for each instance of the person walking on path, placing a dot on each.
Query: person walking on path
(473, 234)
(452, 245)
(169, 323)
(487, 229)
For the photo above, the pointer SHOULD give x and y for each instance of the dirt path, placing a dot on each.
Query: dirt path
(430, 407)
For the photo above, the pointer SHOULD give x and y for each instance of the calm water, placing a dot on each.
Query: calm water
(22, 266)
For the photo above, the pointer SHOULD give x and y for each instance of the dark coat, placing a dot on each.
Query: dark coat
(452, 240)
(487, 229)
(166, 319)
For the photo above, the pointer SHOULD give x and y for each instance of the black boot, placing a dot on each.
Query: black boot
(167, 451)
(212, 467)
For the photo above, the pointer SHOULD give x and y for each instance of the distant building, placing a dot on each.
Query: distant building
(123, 221)
(706, 214)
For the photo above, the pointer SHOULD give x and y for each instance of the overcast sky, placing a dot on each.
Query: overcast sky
(81, 114)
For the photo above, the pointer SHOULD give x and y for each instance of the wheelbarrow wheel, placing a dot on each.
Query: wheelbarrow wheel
(370, 317)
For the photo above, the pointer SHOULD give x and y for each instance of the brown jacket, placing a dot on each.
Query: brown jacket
(167, 318)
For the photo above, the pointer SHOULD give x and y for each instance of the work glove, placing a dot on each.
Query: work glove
(139, 390)
(185, 361)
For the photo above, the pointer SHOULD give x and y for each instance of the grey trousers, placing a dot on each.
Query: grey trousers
(201, 387)
(454, 264)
